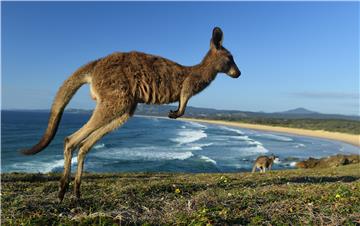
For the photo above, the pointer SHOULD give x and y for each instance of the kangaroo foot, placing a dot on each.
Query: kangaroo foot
(77, 192)
(62, 190)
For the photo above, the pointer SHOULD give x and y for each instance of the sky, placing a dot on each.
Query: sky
(291, 54)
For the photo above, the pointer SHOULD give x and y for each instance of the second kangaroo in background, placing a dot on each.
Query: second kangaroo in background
(119, 82)
(264, 162)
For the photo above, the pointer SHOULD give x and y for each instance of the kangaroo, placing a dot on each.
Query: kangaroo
(263, 162)
(118, 82)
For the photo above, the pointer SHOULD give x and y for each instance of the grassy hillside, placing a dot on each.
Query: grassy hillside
(331, 125)
(308, 197)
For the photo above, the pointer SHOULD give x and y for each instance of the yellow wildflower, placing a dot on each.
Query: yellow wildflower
(177, 191)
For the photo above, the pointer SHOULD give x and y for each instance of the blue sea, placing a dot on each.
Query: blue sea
(150, 144)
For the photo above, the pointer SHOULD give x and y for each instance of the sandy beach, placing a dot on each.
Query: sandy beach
(347, 138)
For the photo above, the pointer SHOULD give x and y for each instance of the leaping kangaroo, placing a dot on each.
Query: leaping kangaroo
(118, 82)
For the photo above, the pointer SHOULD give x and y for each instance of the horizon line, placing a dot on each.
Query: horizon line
(276, 112)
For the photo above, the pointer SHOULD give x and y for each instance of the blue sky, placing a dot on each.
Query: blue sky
(291, 54)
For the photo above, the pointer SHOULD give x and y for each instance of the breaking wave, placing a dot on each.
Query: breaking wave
(99, 146)
(196, 124)
(252, 146)
(275, 137)
(207, 159)
(188, 136)
(232, 130)
(41, 166)
(143, 153)
(299, 145)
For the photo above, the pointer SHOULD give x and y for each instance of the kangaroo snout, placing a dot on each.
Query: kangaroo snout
(234, 72)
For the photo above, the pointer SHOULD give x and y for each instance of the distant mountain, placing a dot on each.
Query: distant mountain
(302, 111)
(195, 112)
(209, 113)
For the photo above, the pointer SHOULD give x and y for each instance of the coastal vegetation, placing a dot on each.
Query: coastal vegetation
(330, 161)
(331, 125)
(325, 196)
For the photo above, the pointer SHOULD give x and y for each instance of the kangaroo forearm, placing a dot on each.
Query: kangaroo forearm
(184, 97)
(182, 107)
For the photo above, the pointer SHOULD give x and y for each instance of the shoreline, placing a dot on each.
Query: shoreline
(343, 137)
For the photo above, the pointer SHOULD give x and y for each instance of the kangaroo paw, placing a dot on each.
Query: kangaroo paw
(173, 114)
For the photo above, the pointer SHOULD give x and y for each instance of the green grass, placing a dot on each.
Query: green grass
(296, 197)
(331, 125)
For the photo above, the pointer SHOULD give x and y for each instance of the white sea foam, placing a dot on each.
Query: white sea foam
(196, 146)
(41, 166)
(225, 139)
(245, 138)
(189, 136)
(254, 146)
(207, 159)
(299, 145)
(232, 130)
(275, 137)
(196, 124)
(248, 140)
(135, 155)
(293, 164)
(99, 146)
(254, 150)
(143, 153)
(205, 144)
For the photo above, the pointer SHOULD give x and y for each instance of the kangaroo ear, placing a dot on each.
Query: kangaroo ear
(217, 38)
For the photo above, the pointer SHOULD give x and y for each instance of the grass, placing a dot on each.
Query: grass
(331, 125)
(291, 197)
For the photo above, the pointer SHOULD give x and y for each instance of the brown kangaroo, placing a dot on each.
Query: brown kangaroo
(263, 162)
(119, 82)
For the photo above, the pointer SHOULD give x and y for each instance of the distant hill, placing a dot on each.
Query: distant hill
(209, 113)
(301, 111)
(195, 112)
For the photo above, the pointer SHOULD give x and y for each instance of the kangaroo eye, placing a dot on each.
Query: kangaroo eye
(230, 60)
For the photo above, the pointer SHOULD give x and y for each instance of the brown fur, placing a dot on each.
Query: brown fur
(118, 83)
(263, 163)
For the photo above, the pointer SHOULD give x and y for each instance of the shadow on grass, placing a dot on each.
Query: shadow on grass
(295, 180)
(317, 180)
(24, 177)
(21, 177)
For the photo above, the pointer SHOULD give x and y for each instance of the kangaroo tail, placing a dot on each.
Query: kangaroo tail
(62, 98)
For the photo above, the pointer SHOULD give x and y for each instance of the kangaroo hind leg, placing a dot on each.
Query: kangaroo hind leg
(86, 145)
(97, 120)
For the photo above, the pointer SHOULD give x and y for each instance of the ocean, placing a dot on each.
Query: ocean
(150, 144)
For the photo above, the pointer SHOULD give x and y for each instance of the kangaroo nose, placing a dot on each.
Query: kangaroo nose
(237, 73)
(234, 72)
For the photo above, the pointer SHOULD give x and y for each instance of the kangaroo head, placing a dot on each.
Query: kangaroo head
(274, 158)
(221, 58)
